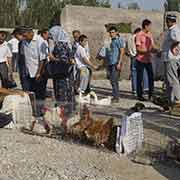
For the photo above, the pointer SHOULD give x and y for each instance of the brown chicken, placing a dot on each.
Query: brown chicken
(99, 132)
(84, 123)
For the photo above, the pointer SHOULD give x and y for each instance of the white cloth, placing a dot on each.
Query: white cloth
(4, 52)
(13, 43)
(130, 137)
(43, 47)
(19, 107)
(171, 36)
(80, 55)
(132, 45)
(34, 53)
(60, 35)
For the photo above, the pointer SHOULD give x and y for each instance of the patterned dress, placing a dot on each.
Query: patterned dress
(63, 88)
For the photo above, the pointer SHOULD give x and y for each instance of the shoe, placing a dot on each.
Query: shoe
(141, 99)
(115, 100)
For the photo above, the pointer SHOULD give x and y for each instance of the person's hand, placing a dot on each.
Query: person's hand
(72, 61)
(95, 67)
(52, 57)
(38, 76)
(119, 66)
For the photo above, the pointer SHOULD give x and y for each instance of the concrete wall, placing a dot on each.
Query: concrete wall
(91, 21)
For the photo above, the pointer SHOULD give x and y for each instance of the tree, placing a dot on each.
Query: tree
(173, 5)
(133, 5)
(8, 13)
(38, 13)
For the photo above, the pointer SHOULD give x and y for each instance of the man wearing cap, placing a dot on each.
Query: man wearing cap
(31, 63)
(171, 65)
(14, 44)
(5, 59)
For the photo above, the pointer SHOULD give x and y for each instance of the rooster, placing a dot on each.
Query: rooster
(84, 123)
(99, 132)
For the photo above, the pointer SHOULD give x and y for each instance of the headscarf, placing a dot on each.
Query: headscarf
(58, 34)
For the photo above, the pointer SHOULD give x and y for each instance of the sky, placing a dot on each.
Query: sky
(144, 4)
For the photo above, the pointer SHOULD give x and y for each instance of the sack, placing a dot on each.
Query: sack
(19, 107)
(130, 137)
(58, 69)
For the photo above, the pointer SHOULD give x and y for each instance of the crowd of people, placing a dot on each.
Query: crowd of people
(51, 54)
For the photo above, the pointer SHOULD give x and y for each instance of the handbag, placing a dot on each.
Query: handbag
(58, 69)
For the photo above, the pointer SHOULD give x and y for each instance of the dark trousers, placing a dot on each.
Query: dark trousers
(14, 62)
(134, 76)
(4, 74)
(140, 75)
(114, 79)
(39, 89)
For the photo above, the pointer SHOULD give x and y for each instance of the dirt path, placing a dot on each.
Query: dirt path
(25, 157)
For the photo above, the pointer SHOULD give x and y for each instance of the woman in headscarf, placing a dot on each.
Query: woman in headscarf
(63, 87)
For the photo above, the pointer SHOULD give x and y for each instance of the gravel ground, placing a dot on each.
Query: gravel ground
(25, 157)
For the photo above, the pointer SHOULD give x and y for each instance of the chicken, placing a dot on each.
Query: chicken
(84, 99)
(84, 123)
(100, 131)
(101, 102)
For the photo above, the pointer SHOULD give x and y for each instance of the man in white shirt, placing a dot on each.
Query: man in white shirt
(32, 59)
(5, 59)
(14, 47)
(172, 63)
(84, 64)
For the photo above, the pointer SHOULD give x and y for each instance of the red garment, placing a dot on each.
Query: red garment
(144, 41)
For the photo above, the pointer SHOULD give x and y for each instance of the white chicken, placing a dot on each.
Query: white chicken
(101, 102)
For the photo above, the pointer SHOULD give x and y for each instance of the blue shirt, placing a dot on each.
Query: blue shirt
(113, 51)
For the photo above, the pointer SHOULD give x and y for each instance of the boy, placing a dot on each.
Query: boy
(114, 57)
(14, 45)
(5, 59)
(84, 65)
(172, 68)
(145, 47)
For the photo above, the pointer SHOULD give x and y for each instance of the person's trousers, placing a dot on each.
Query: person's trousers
(85, 79)
(39, 89)
(14, 62)
(134, 76)
(4, 74)
(172, 67)
(114, 80)
(140, 66)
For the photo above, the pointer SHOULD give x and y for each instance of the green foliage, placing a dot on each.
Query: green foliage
(122, 27)
(173, 5)
(133, 5)
(38, 13)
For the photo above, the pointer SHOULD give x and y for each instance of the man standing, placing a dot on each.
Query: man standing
(5, 59)
(32, 60)
(144, 46)
(132, 53)
(14, 44)
(172, 63)
(76, 34)
(114, 57)
(84, 65)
